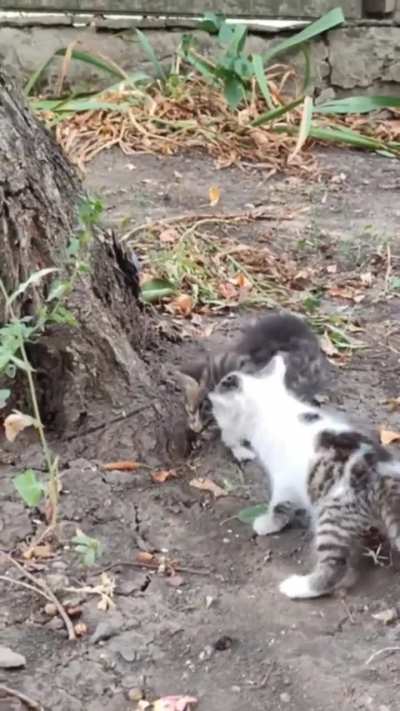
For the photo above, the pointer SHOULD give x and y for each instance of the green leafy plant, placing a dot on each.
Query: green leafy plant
(89, 549)
(18, 332)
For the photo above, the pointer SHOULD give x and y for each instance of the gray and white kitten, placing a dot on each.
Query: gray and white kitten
(307, 371)
(317, 463)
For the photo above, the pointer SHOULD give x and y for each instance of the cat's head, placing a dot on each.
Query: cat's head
(201, 377)
(239, 390)
(197, 405)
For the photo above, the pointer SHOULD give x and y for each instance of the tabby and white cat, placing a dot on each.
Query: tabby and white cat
(317, 463)
(307, 366)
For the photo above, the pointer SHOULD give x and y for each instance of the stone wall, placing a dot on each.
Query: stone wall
(359, 58)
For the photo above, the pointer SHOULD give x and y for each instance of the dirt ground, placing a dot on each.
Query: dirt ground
(219, 629)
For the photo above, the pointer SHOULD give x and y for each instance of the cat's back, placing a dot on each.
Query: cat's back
(275, 332)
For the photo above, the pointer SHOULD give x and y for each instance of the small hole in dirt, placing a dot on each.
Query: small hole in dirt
(223, 643)
(146, 583)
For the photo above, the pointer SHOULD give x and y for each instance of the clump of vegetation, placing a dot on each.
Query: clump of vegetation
(250, 108)
(16, 333)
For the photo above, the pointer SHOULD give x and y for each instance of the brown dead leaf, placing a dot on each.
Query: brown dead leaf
(124, 466)
(208, 485)
(227, 290)
(214, 195)
(327, 346)
(80, 629)
(169, 236)
(388, 436)
(393, 403)
(15, 423)
(342, 293)
(183, 304)
(144, 557)
(242, 281)
(163, 475)
(174, 703)
(41, 551)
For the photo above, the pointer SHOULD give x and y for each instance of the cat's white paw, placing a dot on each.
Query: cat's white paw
(264, 525)
(243, 454)
(298, 587)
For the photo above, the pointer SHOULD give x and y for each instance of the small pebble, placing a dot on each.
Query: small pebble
(50, 609)
(285, 698)
(10, 659)
(135, 694)
(223, 643)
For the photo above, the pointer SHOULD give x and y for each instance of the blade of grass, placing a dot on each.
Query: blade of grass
(276, 113)
(358, 105)
(262, 81)
(305, 127)
(331, 19)
(339, 135)
(307, 67)
(150, 54)
(77, 105)
(98, 62)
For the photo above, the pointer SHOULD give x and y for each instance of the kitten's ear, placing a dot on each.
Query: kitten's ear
(191, 388)
(276, 367)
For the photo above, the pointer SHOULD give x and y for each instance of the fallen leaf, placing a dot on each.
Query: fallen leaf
(342, 293)
(366, 278)
(388, 436)
(208, 485)
(80, 629)
(163, 475)
(327, 346)
(393, 403)
(144, 557)
(15, 423)
(175, 581)
(214, 195)
(124, 465)
(43, 551)
(170, 235)
(242, 281)
(174, 703)
(183, 304)
(227, 290)
(387, 616)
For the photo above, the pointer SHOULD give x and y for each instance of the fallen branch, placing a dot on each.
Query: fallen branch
(41, 588)
(30, 703)
(381, 651)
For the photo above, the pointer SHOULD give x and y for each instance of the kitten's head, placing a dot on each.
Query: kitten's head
(197, 383)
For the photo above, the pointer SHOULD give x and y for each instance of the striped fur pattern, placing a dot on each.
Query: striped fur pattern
(319, 467)
(277, 332)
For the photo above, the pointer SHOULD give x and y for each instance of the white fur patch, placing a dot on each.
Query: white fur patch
(297, 587)
(243, 454)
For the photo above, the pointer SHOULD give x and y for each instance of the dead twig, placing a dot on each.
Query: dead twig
(388, 269)
(154, 566)
(42, 589)
(30, 703)
(385, 650)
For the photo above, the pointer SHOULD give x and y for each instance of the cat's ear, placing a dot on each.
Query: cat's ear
(276, 367)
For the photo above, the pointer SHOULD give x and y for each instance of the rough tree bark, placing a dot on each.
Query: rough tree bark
(89, 376)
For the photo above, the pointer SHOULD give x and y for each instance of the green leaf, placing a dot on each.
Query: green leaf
(80, 55)
(233, 91)
(233, 36)
(34, 279)
(259, 72)
(149, 52)
(62, 315)
(276, 113)
(331, 19)
(58, 290)
(248, 514)
(156, 289)
(211, 22)
(4, 395)
(73, 247)
(244, 68)
(358, 105)
(89, 549)
(305, 127)
(29, 487)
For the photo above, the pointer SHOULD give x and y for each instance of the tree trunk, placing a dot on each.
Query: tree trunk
(94, 388)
